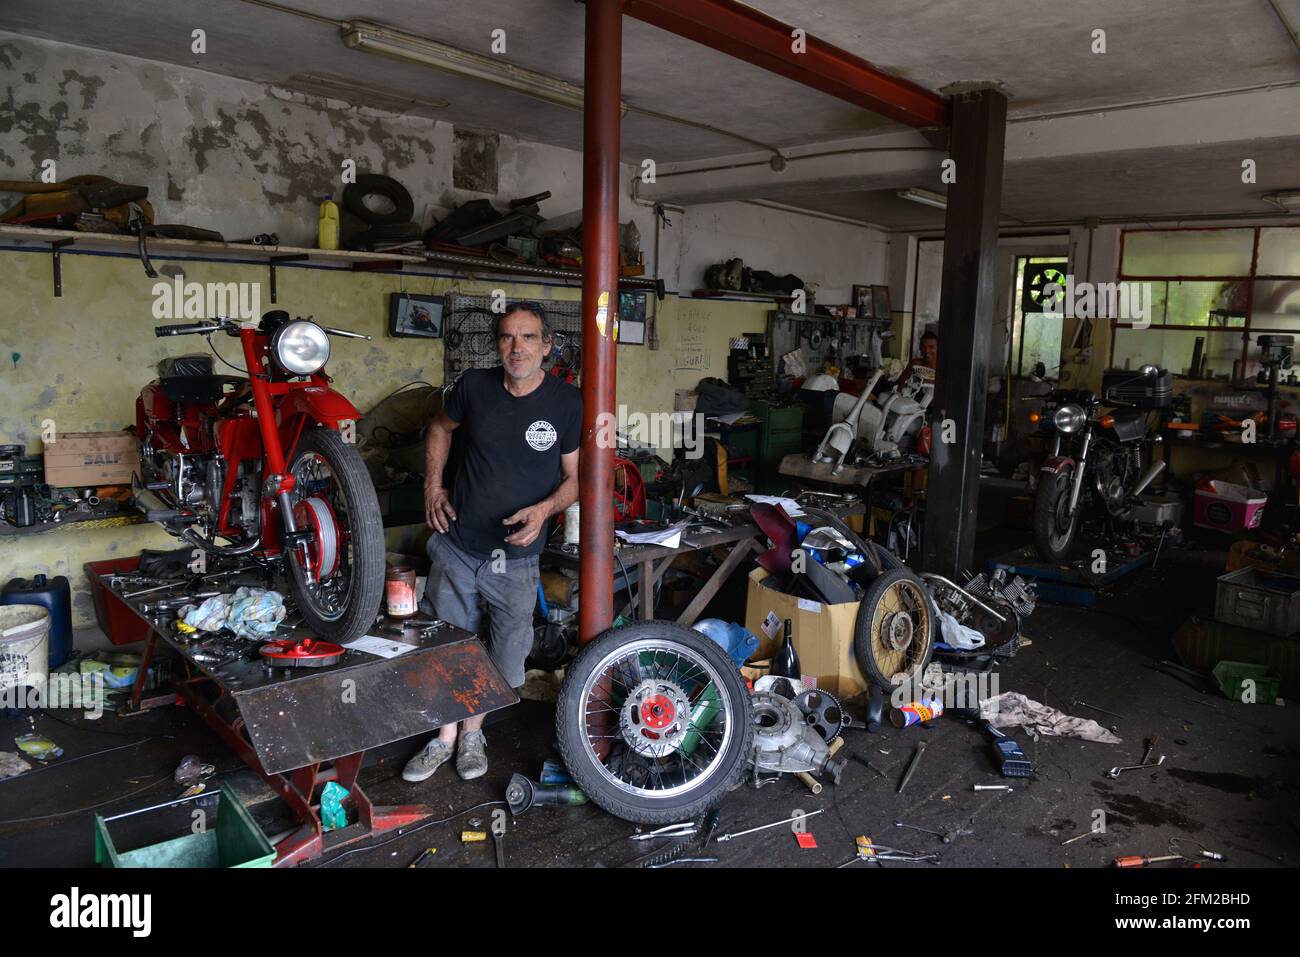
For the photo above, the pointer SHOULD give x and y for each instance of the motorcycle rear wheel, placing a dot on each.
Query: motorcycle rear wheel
(344, 605)
(654, 722)
(1052, 500)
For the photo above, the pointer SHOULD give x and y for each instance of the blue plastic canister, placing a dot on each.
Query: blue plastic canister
(54, 594)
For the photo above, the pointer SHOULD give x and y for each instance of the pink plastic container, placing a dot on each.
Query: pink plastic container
(1227, 507)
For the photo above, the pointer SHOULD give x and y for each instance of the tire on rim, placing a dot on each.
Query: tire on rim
(894, 634)
(626, 721)
(349, 499)
(1052, 500)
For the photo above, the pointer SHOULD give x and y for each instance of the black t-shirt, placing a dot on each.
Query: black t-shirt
(511, 447)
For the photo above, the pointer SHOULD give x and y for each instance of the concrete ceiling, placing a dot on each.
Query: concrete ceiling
(1041, 52)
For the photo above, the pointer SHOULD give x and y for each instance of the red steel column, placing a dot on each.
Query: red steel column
(600, 194)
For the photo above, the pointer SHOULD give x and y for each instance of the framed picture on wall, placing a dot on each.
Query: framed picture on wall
(862, 301)
(414, 317)
(880, 302)
(631, 318)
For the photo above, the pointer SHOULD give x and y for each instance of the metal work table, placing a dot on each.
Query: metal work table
(300, 728)
(652, 561)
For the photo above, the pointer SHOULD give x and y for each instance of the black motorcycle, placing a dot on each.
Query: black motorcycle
(1094, 465)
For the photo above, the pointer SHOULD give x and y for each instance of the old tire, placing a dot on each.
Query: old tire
(894, 634)
(1053, 496)
(362, 525)
(603, 757)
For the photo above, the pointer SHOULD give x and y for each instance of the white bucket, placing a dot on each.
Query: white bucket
(24, 646)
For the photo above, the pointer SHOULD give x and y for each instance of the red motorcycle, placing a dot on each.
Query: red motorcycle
(214, 466)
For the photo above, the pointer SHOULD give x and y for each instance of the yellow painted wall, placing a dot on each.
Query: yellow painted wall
(82, 359)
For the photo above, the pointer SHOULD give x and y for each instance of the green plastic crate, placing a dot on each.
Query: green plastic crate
(1231, 676)
(164, 835)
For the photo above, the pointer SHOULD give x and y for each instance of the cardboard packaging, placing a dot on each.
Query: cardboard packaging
(91, 458)
(822, 634)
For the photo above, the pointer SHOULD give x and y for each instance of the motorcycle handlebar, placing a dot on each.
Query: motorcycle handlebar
(186, 329)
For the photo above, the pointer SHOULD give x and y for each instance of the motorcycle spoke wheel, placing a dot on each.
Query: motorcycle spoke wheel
(894, 634)
(334, 498)
(654, 722)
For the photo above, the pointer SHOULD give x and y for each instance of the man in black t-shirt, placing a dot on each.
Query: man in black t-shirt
(521, 430)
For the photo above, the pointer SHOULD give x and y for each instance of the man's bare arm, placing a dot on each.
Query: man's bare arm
(437, 444)
(534, 516)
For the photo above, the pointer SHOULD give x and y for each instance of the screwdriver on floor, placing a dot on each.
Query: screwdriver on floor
(1139, 860)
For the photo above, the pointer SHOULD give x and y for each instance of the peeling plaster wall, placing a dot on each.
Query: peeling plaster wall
(244, 158)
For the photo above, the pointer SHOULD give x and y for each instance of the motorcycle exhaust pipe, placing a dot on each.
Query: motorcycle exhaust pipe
(156, 510)
(198, 541)
(1149, 476)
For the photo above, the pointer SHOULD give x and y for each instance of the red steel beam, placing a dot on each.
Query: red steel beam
(600, 194)
(766, 42)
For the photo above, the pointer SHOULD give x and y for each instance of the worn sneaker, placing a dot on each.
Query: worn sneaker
(471, 755)
(421, 767)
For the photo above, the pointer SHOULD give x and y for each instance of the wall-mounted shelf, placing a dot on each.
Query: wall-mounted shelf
(59, 240)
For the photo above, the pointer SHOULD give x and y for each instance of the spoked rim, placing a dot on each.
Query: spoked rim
(319, 500)
(640, 706)
(900, 628)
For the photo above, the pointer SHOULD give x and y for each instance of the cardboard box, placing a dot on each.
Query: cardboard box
(86, 459)
(823, 635)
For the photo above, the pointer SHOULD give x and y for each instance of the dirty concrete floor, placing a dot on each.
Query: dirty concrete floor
(1228, 781)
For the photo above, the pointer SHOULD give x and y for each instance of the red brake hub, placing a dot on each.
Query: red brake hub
(657, 712)
(317, 515)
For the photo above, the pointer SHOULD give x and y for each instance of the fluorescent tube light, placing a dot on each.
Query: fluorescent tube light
(409, 48)
(924, 197)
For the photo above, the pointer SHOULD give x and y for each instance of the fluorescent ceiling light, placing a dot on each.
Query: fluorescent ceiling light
(1287, 199)
(924, 197)
(372, 38)
(362, 94)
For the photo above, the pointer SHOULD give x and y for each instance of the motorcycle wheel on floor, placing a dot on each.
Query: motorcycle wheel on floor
(654, 722)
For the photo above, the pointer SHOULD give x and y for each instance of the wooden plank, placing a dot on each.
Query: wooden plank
(715, 582)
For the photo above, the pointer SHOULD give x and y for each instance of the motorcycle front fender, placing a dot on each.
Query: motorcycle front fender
(1057, 464)
(313, 406)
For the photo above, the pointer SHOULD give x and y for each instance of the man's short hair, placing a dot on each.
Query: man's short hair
(535, 308)
(930, 334)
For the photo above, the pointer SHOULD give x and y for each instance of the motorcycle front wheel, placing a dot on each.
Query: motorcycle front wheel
(1054, 525)
(334, 498)
(654, 722)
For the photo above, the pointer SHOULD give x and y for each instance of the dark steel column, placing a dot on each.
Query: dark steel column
(970, 246)
(600, 192)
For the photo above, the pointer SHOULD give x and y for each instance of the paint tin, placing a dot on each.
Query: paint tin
(916, 712)
(571, 524)
(399, 590)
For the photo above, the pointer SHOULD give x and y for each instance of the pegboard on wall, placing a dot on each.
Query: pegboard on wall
(468, 341)
(822, 338)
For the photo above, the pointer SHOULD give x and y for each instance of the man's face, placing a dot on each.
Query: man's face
(930, 352)
(521, 345)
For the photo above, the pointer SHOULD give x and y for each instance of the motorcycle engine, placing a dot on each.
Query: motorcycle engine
(1111, 473)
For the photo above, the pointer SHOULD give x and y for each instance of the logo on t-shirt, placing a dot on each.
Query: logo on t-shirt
(540, 435)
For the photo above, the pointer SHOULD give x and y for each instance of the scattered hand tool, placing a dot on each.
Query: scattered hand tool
(499, 841)
(1116, 772)
(684, 829)
(473, 837)
(1138, 860)
(683, 860)
(861, 760)
(261, 239)
(426, 853)
(763, 827)
(944, 836)
(993, 787)
(1151, 746)
(1095, 708)
(911, 765)
(1079, 838)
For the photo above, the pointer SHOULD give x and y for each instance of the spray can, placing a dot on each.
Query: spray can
(571, 524)
(327, 230)
(915, 712)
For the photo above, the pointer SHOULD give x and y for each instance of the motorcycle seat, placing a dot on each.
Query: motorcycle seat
(190, 379)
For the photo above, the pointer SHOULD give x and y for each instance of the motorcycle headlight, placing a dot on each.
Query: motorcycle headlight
(301, 347)
(1069, 418)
